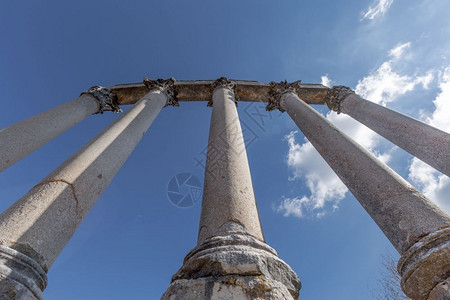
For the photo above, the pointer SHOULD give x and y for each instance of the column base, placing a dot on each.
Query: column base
(425, 267)
(20, 276)
(227, 287)
(229, 267)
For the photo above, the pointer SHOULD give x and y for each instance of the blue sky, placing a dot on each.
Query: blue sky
(393, 52)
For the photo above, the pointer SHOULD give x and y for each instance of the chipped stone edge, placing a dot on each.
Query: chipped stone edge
(277, 90)
(23, 270)
(106, 98)
(418, 256)
(336, 95)
(165, 86)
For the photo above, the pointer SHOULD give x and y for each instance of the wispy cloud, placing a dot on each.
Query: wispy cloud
(383, 85)
(398, 51)
(379, 8)
(434, 184)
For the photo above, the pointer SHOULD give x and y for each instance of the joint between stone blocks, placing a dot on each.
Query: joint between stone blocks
(335, 96)
(278, 90)
(106, 99)
(165, 86)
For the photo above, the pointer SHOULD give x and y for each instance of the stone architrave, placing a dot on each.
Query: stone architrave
(35, 229)
(21, 139)
(423, 141)
(416, 227)
(231, 260)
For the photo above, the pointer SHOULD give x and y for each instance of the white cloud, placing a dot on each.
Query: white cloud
(385, 85)
(379, 8)
(441, 114)
(434, 184)
(326, 81)
(323, 183)
(426, 79)
(382, 86)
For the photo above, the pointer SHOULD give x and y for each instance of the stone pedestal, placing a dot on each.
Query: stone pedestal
(231, 260)
(425, 142)
(416, 227)
(20, 139)
(35, 229)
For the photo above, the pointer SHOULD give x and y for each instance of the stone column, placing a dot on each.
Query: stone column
(20, 139)
(231, 260)
(425, 142)
(416, 227)
(35, 229)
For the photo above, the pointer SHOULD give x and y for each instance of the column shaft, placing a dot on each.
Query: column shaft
(41, 223)
(402, 213)
(231, 260)
(21, 139)
(228, 204)
(425, 142)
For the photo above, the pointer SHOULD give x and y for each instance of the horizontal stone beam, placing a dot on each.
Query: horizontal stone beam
(200, 90)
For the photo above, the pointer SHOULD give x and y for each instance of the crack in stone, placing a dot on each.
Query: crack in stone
(77, 202)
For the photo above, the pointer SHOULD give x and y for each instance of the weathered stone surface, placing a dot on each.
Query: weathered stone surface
(231, 260)
(226, 288)
(241, 255)
(425, 265)
(277, 90)
(402, 213)
(228, 204)
(441, 291)
(167, 87)
(425, 142)
(200, 90)
(107, 99)
(20, 276)
(13, 290)
(41, 223)
(21, 139)
(336, 95)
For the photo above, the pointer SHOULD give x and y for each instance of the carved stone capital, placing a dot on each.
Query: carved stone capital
(223, 82)
(277, 90)
(107, 99)
(426, 265)
(336, 95)
(21, 276)
(165, 86)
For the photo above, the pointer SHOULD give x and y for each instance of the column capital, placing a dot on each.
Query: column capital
(336, 95)
(223, 82)
(166, 86)
(106, 98)
(277, 90)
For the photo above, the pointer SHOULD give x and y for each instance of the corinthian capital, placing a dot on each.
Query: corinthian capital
(223, 82)
(107, 99)
(335, 97)
(165, 86)
(277, 90)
